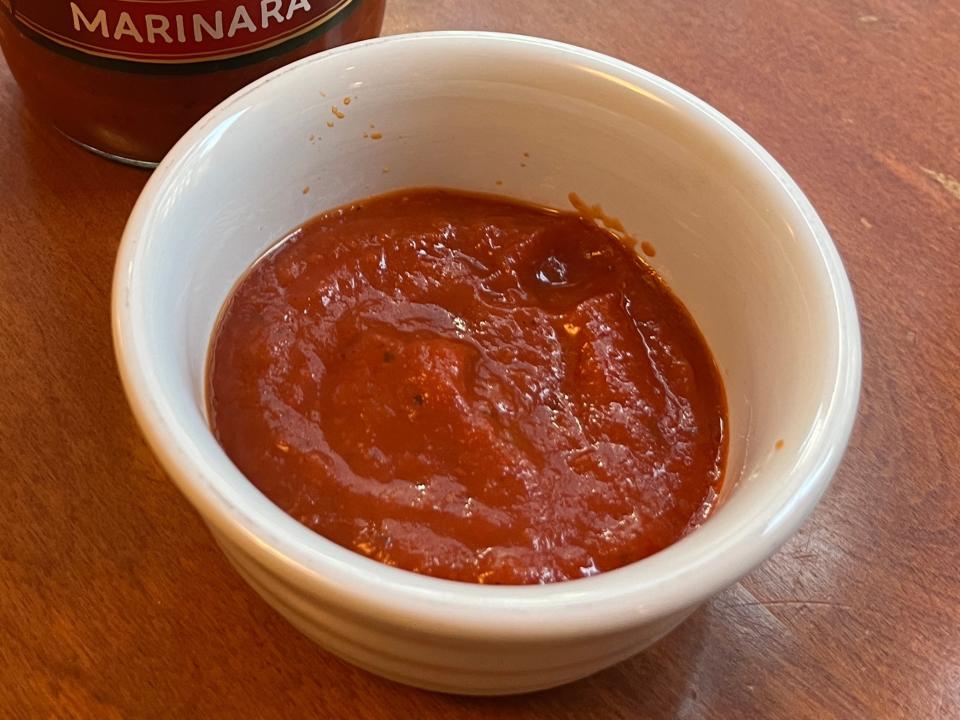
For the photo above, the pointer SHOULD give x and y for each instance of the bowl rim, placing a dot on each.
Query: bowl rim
(626, 597)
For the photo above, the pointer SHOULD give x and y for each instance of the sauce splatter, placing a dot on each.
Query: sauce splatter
(595, 212)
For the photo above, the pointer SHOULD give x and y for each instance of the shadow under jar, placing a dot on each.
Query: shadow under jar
(126, 80)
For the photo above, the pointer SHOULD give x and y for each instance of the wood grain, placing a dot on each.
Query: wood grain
(115, 603)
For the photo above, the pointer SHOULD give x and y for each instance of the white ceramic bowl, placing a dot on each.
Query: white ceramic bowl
(735, 238)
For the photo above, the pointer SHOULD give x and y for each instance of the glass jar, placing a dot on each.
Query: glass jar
(127, 79)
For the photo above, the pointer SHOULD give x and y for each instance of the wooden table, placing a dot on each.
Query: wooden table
(114, 601)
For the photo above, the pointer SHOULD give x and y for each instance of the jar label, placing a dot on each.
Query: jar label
(172, 31)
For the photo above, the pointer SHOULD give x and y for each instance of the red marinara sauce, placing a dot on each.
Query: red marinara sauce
(471, 388)
(126, 78)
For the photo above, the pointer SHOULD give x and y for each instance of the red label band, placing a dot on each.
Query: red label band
(172, 31)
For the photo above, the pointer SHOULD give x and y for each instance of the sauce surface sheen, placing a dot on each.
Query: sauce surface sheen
(471, 388)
